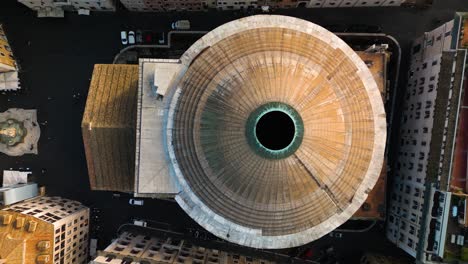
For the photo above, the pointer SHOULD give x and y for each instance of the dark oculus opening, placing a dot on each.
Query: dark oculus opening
(275, 130)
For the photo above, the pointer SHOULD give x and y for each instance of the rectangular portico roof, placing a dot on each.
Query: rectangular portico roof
(152, 173)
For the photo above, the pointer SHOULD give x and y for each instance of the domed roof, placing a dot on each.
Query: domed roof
(276, 131)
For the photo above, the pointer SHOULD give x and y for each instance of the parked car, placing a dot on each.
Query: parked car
(181, 25)
(147, 37)
(139, 37)
(123, 37)
(135, 202)
(454, 211)
(336, 234)
(140, 223)
(83, 12)
(162, 38)
(131, 37)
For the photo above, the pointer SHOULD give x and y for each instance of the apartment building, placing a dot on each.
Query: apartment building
(44, 230)
(133, 248)
(235, 4)
(164, 5)
(373, 258)
(196, 5)
(421, 197)
(354, 3)
(8, 69)
(56, 8)
(7, 61)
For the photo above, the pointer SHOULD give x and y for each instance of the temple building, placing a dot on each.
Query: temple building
(203, 129)
(108, 127)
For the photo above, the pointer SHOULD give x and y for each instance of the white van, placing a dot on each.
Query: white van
(140, 223)
(181, 25)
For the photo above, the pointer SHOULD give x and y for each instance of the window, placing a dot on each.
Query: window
(119, 248)
(431, 88)
(134, 251)
(416, 48)
(410, 242)
(427, 114)
(428, 104)
(420, 167)
(421, 155)
(430, 42)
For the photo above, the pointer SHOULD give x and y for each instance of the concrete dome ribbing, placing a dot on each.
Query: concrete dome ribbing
(256, 200)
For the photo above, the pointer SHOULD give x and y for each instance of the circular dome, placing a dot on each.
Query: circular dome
(319, 101)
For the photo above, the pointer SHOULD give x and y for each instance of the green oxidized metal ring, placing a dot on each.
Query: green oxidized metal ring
(255, 144)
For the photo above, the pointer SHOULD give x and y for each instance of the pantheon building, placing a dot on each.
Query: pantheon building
(269, 131)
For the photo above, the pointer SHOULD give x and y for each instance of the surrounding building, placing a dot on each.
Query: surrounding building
(16, 187)
(54, 8)
(235, 5)
(354, 3)
(372, 258)
(427, 180)
(46, 8)
(135, 248)
(162, 6)
(44, 230)
(8, 68)
(7, 61)
(19, 132)
(17, 193)
(108, 127)
(197, 5)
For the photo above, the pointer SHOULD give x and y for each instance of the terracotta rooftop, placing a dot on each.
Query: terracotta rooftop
(108, 127)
